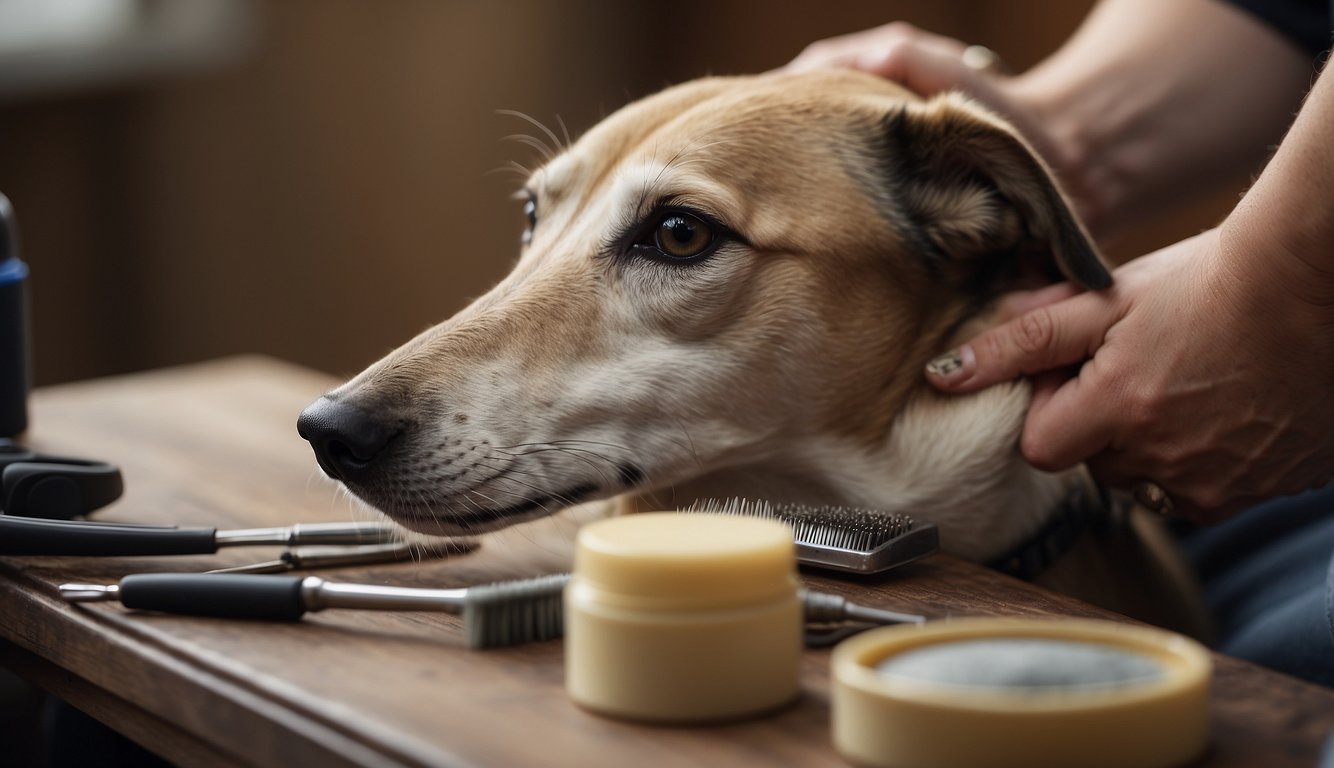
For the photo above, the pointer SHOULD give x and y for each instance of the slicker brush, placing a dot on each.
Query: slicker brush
(850, 539)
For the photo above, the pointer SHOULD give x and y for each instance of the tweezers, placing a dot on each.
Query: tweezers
(304, 558)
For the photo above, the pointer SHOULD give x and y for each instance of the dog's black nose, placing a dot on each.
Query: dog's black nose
(346, 439)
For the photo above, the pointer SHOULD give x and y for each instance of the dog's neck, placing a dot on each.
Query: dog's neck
(948, 460)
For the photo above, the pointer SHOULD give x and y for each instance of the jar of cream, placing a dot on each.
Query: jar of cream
(683, 617)
(1021, 693)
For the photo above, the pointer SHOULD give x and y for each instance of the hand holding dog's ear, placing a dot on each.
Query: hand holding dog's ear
(967, 188)
(1186, 373)
(930, 64)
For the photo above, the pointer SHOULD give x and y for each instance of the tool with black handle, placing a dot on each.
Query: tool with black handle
(500, 614)
(32, 536)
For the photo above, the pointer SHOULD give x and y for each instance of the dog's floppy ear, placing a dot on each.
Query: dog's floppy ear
(969, 186)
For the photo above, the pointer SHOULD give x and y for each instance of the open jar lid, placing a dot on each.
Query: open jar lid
(1012, 692)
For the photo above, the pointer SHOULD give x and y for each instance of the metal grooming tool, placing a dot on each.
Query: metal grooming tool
(848, 539)
(844, 617)
(32, 536)
(495, 615)
(336, 557)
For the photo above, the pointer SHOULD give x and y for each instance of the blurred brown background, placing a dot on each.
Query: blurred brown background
(312, 179)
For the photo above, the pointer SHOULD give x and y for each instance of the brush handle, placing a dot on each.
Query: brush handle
(225, 595)
(282, 598)
(33, 536)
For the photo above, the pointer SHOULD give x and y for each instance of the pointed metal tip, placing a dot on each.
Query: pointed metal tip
(89, 593)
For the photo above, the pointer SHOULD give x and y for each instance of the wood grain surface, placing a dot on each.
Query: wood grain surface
(215, 445)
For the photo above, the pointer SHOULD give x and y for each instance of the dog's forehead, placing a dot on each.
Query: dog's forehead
(751, 116)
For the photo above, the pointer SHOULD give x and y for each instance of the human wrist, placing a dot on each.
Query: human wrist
(1282, 229)
(1257, 248)
(1053, 116)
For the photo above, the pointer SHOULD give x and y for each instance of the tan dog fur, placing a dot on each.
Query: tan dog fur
(874, 230)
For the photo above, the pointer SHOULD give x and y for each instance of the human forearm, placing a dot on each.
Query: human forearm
(1284, 226)
(1151, 102)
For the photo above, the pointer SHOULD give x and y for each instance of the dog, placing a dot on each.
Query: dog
(731, 289)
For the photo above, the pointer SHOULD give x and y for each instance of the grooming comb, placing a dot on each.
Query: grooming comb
(849, 539)
(495, 615)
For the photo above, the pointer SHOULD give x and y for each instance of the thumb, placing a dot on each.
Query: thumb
(1039, 340)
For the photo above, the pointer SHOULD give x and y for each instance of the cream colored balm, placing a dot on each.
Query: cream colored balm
(1021, 693)
(683, 617)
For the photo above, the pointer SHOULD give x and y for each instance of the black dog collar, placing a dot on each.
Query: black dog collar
(1086, 507)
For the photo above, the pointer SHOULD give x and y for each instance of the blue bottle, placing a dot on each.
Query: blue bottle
(15, 360)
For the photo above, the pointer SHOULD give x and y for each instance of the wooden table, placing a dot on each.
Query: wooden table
(215, 445)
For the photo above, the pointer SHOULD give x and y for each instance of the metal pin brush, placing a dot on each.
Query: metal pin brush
(850, 539)
(495, 615)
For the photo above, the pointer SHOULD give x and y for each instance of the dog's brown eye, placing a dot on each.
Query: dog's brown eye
(682, 236)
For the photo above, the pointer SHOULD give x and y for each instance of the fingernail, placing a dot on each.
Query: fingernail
(955, 365)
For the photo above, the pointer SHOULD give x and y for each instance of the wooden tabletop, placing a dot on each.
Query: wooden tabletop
(215, 445)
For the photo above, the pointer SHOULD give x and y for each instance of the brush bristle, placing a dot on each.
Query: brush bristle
(516, 612)
(851, 528)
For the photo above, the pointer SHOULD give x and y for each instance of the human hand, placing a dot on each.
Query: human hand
(923, 62)
(927, 64)
(1210, 379)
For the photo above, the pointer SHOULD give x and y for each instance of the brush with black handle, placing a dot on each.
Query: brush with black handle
(495, 615)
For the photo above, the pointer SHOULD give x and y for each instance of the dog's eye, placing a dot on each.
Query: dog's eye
(682, 236)
(530, 212)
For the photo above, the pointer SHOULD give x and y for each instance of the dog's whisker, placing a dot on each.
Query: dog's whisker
(520, 171)
(570, 444)
(617, 446)
(678, 158)
(564, 132)
(587, 457)
(690, 443)
(541, 492)
(494, 504)
(503, 475)
(555, 142)
(561, 449)
(507, 469)
(563, 499)
(575, 453)
(531, 141)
